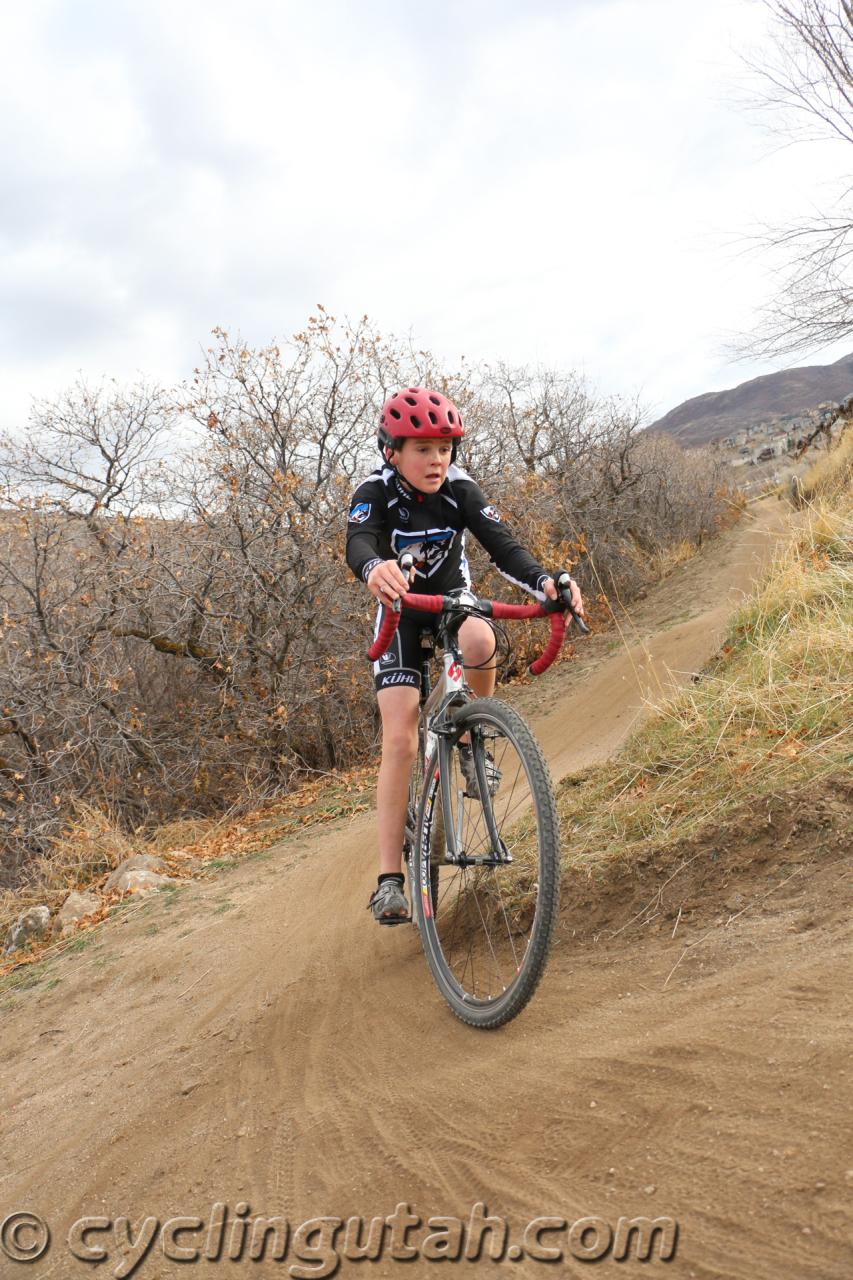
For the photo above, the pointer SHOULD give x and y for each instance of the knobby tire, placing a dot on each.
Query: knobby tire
(486, 908)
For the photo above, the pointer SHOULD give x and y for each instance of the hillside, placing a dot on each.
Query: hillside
(253, 1040)
(770, 398)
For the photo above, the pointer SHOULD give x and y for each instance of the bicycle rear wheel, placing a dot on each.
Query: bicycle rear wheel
(487, 941)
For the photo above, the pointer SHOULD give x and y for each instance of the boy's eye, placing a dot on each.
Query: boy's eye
(443, 450)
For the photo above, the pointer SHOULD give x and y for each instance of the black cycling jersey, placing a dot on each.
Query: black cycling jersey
(386, 517)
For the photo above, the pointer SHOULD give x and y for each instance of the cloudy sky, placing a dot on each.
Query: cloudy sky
(564, 181)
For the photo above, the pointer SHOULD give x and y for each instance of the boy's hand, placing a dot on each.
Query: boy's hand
(550, 589)
(387, 581)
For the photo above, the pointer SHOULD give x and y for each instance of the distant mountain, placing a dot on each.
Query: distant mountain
(766, 399)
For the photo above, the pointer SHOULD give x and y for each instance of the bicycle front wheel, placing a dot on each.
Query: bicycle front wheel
(497, 864)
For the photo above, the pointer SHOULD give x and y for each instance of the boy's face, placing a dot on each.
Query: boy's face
(423, 463)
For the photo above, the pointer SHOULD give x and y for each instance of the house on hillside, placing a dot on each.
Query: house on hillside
(774, 447)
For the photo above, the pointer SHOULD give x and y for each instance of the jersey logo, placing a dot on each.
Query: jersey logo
(430, 548)
(359, 514)
(491, 513)
(404, 514)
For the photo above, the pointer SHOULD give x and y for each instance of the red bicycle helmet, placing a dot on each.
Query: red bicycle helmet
(418, 413)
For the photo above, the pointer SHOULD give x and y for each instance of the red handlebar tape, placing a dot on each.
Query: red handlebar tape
(435, 604)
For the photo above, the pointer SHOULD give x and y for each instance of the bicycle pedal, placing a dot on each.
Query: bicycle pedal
(395, 920)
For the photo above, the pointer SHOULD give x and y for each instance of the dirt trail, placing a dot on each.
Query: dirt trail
(258, 1040)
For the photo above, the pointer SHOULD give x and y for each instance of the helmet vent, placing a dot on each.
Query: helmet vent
(418, 412)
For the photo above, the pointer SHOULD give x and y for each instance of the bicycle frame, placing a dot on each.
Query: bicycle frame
(486, 951)
(436, 729)
(453, 690)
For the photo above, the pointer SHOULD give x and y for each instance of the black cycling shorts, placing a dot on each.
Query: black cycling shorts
(400, 665)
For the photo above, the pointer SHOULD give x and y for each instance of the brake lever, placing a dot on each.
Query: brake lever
(564, 601)
(578, 621)
(406, 561)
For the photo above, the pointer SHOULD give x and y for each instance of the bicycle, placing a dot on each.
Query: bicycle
(482, 855)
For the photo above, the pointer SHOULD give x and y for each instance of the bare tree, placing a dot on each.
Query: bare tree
(70, 715)
(806, 84)
(179, 631)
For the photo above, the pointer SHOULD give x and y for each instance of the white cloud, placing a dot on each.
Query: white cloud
(564, 183)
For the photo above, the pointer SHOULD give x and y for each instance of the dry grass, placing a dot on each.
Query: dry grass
(774, 711)
(831, 476)
(667, 559)
(91, 847)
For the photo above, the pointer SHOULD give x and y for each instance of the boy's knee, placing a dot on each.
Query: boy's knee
(479, 645)
(400, 743)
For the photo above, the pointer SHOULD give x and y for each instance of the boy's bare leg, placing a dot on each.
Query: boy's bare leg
(478, 646)
(399, 710)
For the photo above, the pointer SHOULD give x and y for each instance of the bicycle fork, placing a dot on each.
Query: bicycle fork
(453, 808)
(452, 690)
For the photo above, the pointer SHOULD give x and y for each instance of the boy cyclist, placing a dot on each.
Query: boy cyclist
(420, 501)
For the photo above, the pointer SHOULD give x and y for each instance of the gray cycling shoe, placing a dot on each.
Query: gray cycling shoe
(469, 772)
(388, 903)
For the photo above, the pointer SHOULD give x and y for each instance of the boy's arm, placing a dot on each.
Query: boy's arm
(506, 553)
(366, 535)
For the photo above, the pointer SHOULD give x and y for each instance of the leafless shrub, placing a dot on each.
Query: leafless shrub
(584, 484)
(179, 631)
